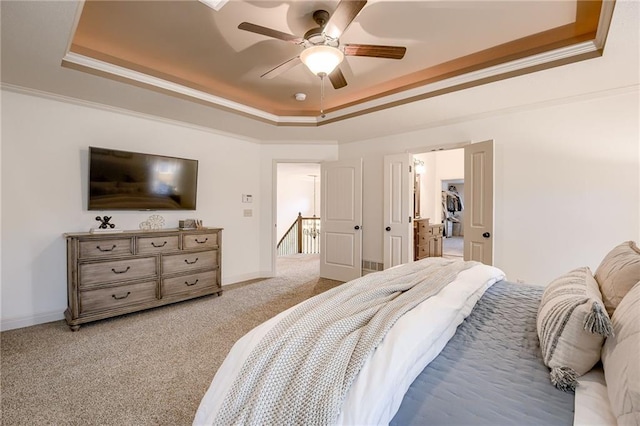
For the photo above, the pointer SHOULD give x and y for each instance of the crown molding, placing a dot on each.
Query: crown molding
(95, 105)
(548, 59)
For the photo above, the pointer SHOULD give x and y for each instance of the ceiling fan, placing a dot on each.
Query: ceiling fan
(322, 52)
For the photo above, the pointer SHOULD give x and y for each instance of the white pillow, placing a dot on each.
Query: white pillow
(617, 273)
(621, 360)
(572, 324)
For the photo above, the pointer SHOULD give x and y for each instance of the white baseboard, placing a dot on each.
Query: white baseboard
(13, 323)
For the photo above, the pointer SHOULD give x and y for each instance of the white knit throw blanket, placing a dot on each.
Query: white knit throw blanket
(303, 367)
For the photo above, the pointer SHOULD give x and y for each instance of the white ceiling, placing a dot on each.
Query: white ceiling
(36, 36)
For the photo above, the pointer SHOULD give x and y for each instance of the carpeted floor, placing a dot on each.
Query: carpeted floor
(453, 247)
(147, 368)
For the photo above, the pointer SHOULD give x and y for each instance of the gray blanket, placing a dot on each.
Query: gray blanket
(302, 369)
(491, 372)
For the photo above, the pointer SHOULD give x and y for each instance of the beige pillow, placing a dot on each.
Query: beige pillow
(621, 360)
(617, 273)
(572, 324)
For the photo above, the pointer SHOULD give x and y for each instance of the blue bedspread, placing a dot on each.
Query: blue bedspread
(491, 371)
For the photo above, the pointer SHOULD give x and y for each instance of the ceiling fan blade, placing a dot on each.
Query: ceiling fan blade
(346, 12)
(390, 52)
(285, 66)
(337, 79)
(269, 32)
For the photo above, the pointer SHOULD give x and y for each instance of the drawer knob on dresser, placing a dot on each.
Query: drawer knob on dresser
(121, 297)
(190, 263)
(120, 272)
(106, 249)
(202, 242)
(190, 284)
(158, 245)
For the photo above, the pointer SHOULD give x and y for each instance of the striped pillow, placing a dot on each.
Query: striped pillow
(572, 324)
(621, 360)
(617, 273)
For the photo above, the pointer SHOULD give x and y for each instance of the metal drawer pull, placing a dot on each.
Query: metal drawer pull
(120, 272)
(202, 242)
(159, 245)
(121, 297)
(190, 284)
(190, 263)
(106, 249)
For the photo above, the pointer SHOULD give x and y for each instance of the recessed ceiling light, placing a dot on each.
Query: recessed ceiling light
(300, 96)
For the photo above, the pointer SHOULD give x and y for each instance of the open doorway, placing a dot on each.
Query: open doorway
(453, 217)
(297, 216)
(440, 198)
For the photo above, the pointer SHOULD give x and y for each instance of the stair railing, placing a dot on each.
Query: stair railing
(303, 236)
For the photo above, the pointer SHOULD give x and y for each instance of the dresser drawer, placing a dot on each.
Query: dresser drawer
(436, 230)
(189, 261)
(104, 299)
(189, 283)
(193, 241)
(149, 245)
(423, 226)
(105, 248)
(422, 252)
(117, 270)
(422, 238)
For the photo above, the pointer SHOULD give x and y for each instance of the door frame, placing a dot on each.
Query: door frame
(462, 145)
(274, 207)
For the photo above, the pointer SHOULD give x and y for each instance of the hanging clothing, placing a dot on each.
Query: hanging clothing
(451, 201)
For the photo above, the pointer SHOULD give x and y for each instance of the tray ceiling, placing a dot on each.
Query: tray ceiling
(190, 50)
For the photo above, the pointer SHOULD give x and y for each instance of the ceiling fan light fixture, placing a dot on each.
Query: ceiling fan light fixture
(322, 59)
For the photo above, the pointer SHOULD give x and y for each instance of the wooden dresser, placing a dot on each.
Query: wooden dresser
(427, 239)
(110, 274)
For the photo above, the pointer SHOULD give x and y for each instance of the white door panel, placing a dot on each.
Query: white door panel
(398, 209)
(341, 220)
(478, 217)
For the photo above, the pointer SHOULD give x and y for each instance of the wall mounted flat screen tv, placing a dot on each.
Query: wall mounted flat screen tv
(121, 180)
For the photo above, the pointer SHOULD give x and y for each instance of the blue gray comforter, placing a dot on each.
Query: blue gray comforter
(491, 371)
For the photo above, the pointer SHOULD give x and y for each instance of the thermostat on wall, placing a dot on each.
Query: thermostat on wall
(247, 198)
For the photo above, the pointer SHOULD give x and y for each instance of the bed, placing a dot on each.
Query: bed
(463, 348)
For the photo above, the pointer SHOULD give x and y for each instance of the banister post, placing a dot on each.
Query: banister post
(299, 232)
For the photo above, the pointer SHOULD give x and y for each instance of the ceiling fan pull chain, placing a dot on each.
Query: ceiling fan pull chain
(321, 95)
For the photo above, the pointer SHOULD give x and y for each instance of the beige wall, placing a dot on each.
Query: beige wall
(44, 175)
(566, 181)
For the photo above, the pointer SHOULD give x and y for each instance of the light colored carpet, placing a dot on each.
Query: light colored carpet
(453, 247)
(147, 368)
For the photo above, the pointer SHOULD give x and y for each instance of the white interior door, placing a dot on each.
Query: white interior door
(398, 209)
(478, 196)
(341, 220)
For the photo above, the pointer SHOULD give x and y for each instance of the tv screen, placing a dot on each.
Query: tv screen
(121, 180)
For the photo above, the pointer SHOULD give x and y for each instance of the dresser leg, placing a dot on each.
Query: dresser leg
(74, 327)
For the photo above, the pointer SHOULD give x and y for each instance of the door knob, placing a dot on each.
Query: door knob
(388, 228)
(356, 227)
(486, 235)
